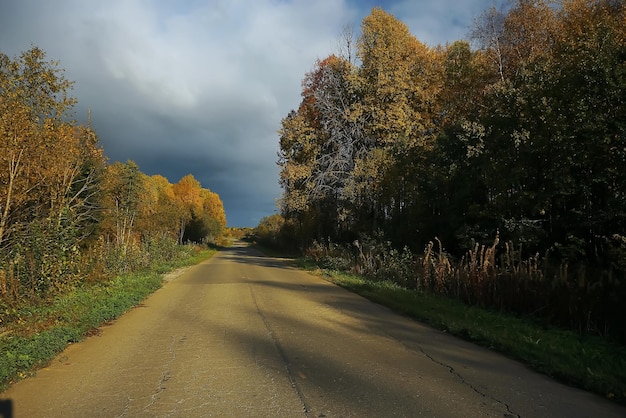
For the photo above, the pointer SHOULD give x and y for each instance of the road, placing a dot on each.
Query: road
(246, 335)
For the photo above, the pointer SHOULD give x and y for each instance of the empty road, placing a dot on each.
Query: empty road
(243, 335)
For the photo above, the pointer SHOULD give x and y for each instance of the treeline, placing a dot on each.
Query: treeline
(68, 216)
(517, 135)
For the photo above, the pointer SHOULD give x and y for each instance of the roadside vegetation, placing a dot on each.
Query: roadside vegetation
(588, 362)
(40, 331)
(485, 174)
(81, 239)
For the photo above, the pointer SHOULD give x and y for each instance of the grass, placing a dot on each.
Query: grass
(44, 331)
(588, 362)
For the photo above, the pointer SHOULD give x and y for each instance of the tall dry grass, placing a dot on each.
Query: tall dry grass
(584, 298)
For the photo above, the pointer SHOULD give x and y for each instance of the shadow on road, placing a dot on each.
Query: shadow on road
(331, 370)
(322, 333)
(6, 408)
(248, 255)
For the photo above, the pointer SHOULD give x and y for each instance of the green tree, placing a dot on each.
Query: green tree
(562, 126)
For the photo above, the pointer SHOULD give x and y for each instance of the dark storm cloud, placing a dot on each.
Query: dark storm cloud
(198, 86)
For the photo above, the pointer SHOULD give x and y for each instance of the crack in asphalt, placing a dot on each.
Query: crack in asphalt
(126, 407)
(451, 370)
(474, 388)
(165, 376)
(283, 356)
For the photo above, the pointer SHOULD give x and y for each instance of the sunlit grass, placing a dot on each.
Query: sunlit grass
(43, 331)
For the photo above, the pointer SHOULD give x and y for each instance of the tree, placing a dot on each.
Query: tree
(552, 135)
(402, 78)
(488, 34)
(394, 67)
(346, 46)
(213, 208)
(207, 222)
(123, 188)
(34, 106)
(75, 174)
(319, 143)
(268, 231)
(587, 80)
(351, 153)
(50, 172)
(333, 88)
(189, 202)
(158, 212)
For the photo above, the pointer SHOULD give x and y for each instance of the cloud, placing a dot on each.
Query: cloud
(199, 86)
(438, 22)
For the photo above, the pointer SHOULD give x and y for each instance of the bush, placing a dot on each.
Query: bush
(42, 266)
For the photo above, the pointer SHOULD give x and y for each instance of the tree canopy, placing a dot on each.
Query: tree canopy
(515, 137)
(520, 130)
(63, 207)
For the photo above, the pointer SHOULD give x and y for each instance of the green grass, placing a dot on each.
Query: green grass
(591, 363)
(44, 331)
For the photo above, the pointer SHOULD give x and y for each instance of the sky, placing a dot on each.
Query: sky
(200, 86)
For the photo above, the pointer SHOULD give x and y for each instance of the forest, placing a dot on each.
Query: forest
(67, 215)
(489, 170)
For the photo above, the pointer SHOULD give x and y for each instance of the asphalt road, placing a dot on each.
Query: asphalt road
(245, 335)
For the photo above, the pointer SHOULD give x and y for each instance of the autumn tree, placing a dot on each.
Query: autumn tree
(123, 189)
(395, 66)
(269, 230)
(213, 211)
(51, 172)
(347, 154)
(520, 133)
(401, 78)
(158, 211)
(208, 221)
(320, 144)
(297, 148)
(200, 212)
(34, 107)
(64, 213)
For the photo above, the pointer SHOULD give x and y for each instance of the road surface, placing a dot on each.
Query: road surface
(243, 335)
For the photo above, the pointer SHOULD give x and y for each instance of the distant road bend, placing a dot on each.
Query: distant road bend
(243, 335)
